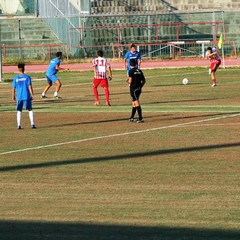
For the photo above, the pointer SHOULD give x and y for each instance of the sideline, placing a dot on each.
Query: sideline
(119, 134)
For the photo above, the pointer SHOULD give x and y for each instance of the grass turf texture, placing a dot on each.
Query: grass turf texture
(87, 173)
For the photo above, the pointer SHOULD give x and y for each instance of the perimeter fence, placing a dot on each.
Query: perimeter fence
(157, 35)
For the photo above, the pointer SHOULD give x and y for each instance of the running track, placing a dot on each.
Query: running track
(235, 62)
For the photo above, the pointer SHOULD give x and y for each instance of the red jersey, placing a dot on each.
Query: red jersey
(101, 65)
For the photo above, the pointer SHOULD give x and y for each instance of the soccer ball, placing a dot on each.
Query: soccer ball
(185, 81)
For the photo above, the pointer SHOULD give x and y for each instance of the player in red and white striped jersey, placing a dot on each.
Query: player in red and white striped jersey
(101, 67)
(215, 62)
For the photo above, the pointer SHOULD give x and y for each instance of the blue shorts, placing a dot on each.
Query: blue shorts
(26, 104)
(51, 78)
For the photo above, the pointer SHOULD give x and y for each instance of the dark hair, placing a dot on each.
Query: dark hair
(21, 66)
(209, 48)
(132, 45)
(100, 53)
(133, 62)
(59, 54)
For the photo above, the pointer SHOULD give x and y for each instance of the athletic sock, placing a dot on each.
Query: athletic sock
(31, 117)
(19, 117)
(133, 112)
(55, 94)
(139, 110)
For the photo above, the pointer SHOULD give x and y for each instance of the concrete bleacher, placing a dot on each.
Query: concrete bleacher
(129, 30)
(129, 15)
(124, 6)
(25, 31)
(183, 20)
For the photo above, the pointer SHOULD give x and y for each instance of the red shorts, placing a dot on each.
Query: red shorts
(102, 82)
(214, 65)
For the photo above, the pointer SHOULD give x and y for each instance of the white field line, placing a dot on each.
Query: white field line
(119, 134)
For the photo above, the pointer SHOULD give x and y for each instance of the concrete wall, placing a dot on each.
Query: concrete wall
(11, 7)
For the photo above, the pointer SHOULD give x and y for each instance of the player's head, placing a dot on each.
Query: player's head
(100, 53)
(21, 67)
(133, 47)
(59, 54)
(133, 62)
(209, 49)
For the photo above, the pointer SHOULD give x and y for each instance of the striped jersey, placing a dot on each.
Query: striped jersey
(101, 65)
(215, 58)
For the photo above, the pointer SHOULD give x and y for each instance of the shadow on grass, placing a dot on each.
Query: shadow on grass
(26, 230)
(118, 157)
(145, 117)
(182, 101)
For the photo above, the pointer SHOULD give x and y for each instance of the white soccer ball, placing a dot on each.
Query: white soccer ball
(185, 81)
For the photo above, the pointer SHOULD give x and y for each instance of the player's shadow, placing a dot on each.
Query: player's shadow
(118, 157)
(182, 101)
(29, 230)
(154, 118)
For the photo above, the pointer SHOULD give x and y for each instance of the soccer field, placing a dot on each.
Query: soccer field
(87, 173)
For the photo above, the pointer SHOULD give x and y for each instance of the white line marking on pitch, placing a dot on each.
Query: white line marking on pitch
(118, 134)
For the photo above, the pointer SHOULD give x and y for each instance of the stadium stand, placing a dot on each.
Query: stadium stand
(54, 23)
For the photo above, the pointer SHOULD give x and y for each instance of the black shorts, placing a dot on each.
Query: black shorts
(135, 94)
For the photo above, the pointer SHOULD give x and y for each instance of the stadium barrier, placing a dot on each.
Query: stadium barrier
(164, 50)
(38, 52)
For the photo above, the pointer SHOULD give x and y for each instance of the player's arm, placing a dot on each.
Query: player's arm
(31, 91)
(60, 68)
(212, 54)
(125, 63)
(129, 80)
(126, 60)
(143, 80)
(109, 73)
(13, 94)
(139, 61)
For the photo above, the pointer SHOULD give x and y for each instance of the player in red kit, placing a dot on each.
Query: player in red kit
(215, 62)
(101, 67)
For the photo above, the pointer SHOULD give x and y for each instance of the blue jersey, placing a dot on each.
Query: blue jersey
(21, 83)
(129, 55)
(52, 66)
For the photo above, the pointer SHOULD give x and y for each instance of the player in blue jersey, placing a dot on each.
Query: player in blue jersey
(53, 68)
(132, 54)
(22, 93)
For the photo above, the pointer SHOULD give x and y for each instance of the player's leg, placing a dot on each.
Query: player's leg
(135, 94)
(47, 87)
(19, 113)
(214, 81)
(58, 87)
(138, 106)
(134, 109)
(96, 82)
(104, 85)
(30, 113)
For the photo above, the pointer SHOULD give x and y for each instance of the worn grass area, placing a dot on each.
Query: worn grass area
(87, 173)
